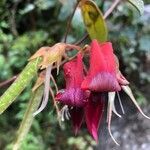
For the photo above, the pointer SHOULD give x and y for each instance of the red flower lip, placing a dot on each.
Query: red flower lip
(72, 97)
(102, 72)
(103, 81)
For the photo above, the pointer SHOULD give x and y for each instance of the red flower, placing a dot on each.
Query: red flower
(73, 95)
(84, 96)
(102, 72)
(103, 76)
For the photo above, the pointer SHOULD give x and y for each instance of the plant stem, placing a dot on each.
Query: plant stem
(112, 7)
(9, 81)
(69, 22)
(28, 117)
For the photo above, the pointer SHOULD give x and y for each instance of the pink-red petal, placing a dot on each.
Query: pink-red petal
(73, 72)
(77, 115)
(93, 113)
(102, 72)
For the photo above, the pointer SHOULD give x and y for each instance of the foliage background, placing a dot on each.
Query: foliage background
(27, 25)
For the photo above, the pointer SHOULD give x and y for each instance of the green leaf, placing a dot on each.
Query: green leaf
(138, 4)
(28, 117)
(94, 21)
(19, 85)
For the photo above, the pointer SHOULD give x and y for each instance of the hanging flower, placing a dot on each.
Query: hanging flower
(83, 97)
(102, 72)
(104, 76)
(73, 95)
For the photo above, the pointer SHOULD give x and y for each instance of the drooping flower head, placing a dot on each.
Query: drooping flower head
(73, 95)
(102, 72)
(103, 76)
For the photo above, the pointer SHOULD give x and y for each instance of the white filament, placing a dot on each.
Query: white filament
(65, 113)
(109, 125)
(120, 103)
(111, 108)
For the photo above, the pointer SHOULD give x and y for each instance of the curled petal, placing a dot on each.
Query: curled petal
(109, 113)
(46, 90)
(111, 108)
(128, 91)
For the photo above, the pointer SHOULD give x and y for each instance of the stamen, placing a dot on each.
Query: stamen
(120, 102)
(65, 113)
(128, 91)
(69, 116)
(46, 91)
(62, 114)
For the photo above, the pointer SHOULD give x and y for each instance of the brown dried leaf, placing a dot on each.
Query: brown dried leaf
(53, 54)
(40, 53)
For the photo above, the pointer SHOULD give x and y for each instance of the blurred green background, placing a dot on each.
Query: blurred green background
(26, 25)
